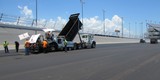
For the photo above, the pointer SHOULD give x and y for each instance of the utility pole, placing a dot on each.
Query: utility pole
(1, 16)
(36, 16)
(135, 29)
(122, 26)
(146, 25)
(142, 29)
(82, 2)
(104, 21)
(129, 30)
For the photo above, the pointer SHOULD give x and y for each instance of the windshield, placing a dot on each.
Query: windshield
(84, 36)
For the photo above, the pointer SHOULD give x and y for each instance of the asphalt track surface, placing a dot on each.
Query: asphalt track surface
(105, 62)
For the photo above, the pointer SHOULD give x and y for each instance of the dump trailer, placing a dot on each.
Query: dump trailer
(69, 32)
(71, 28)
(153, 32)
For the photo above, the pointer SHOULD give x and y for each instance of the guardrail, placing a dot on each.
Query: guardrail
(24, 21)
(16, 20)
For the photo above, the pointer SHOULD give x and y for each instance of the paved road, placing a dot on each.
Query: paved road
(106, 62)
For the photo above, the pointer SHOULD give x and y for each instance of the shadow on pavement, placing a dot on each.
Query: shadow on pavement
(11, 53)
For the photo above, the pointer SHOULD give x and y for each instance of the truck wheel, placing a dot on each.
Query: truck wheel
(83, 45)
(53, 48)
(93, 45)
(69, 49)
(74, 47)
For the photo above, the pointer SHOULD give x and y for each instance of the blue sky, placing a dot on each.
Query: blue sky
(132, 11)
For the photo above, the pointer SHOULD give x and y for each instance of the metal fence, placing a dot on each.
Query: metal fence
(17, 20)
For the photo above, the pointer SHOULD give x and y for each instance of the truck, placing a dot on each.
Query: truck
(69, 32)
(153, 32)
(88, 40)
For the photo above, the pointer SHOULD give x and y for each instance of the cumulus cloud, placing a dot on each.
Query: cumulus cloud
(90, 25)
(27, 16)
(95, 25)
(25, 11)
(57, 24)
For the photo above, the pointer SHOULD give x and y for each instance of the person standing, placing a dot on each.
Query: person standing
(17, 46)
(27, 45)
(44, 43)
(5, 45)
(47, 34)
(65, 45)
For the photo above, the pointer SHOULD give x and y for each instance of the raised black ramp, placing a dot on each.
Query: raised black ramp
(71, 28)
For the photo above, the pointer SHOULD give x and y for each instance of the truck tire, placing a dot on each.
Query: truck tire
(74, 47)
(52, 48)
(69, 48)
(93, 45)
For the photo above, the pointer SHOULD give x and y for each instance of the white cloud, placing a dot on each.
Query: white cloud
(57, 24)
(27, 16)
(19, 7)
(25, 11)
(91, 25)
(95, 25)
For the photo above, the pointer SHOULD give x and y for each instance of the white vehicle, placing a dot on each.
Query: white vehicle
(88, 40)
(154, 33)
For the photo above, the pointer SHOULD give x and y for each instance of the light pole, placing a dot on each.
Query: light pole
(36, 13)
(129, 30)
(104, 21)
(141, 29)
(36, 16)
(82, 2)
(122, 26)
(135, 29)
